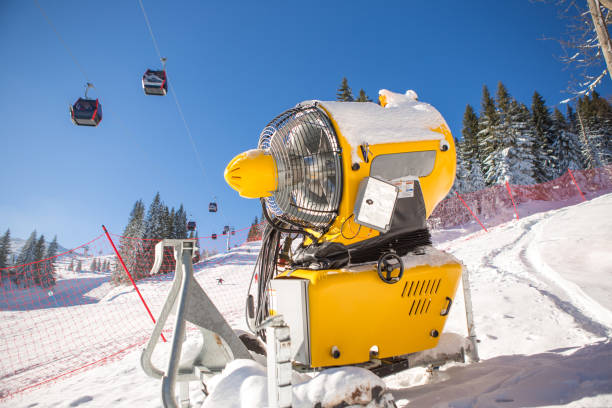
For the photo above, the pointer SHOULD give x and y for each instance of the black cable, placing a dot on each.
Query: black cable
(282, 229)
(342, 228)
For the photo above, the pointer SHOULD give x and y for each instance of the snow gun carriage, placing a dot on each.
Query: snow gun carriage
(346, 274)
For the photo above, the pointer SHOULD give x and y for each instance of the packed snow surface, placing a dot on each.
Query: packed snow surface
(404, 119)
(540, 290)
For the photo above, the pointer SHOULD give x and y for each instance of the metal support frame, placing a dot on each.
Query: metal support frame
(469, 315)
(220, 344)
(280, 388)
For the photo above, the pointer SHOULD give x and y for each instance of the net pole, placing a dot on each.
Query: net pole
(512, 198)
(473, 215)
(131, 279)
(576, 184)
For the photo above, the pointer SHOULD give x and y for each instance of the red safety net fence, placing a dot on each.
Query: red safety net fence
(494, 205)
(79, 309)
(66, 314)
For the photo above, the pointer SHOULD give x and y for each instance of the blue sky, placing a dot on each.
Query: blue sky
(234, 66)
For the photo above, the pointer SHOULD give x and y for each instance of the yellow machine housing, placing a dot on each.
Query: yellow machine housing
(353, 311)
(337, 316)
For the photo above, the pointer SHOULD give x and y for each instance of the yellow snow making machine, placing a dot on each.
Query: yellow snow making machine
(346, 258)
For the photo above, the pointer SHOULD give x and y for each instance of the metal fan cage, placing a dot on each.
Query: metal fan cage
(308, 157)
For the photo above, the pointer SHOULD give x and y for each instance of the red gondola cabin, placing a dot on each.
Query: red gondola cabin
(86, 112)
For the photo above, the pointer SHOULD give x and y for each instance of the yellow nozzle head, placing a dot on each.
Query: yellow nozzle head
(252, 174)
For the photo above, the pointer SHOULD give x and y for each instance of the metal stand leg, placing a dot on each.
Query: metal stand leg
(469, 315)
(280, 389)
(219, 342)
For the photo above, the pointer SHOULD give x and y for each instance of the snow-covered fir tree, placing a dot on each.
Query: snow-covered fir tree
(596, 119)
(79, 266)
(155, 222)
(488, 138)
(363, 97)
(71, 266)
(477, 181)
(344, 93)
(180, 223)
(5, 252)
(23, 276)
(469, 145)
(131, 244)
(566, 146)
(497, 160)
(38, 269)
(462, 177)
(521, 161)
(543, 151)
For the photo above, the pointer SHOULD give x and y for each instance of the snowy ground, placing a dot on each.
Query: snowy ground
(541, 293)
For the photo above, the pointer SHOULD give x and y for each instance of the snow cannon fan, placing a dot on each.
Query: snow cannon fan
(346, 258)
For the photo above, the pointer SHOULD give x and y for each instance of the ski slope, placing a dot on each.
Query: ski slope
(541, 293)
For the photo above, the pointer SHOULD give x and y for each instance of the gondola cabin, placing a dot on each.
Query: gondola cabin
(155, 82)
(226, 229)
(86, 112)
(191, 226)
(233, 231)
(214, 236)
(212, 207)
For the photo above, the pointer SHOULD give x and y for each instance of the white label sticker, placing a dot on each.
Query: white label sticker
(405, 186)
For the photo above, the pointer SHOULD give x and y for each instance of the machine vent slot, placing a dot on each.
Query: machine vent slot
(421, 288)
(419, 307)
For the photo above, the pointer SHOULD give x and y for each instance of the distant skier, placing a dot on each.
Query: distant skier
(219, 281)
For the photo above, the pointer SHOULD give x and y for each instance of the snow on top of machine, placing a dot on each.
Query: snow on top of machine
(430, 257)
(403, 119)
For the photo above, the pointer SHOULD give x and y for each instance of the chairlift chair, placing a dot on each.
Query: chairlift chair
(85, 111)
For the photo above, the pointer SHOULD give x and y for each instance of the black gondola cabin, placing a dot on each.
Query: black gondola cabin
(86, 112)
(214, 236)
(191, 226)
(212, 207)
(155, 82)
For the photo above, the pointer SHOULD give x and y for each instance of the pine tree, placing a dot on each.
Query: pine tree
(344, 93)
(154, 223)
(5, 252)
(71, 266)
(52, 249)
(566, 146)
(38, 268)
(170, 225)
(469, 147)
(93, 266)
(131, 245)
(476, 179)
(23, 276)
(488, 139)
(79, 266)
(573, 127)
(363, 97)
(180, 223)
(166, 223)
(596, 115)
(462, 183)
(521, 158)
(543, 150)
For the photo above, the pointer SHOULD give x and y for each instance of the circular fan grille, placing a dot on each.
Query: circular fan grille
(305, 148)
